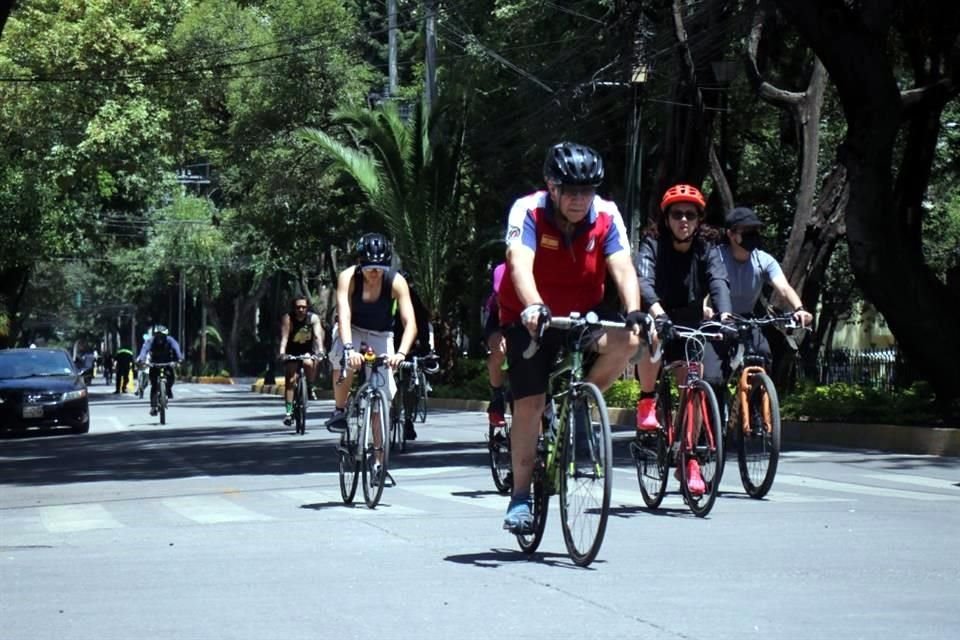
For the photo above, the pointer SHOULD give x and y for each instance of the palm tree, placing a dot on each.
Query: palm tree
(409, 174)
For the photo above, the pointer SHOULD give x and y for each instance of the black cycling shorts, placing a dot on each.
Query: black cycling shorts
(530, 377)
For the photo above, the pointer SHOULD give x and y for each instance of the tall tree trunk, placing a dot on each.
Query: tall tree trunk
(918, 307)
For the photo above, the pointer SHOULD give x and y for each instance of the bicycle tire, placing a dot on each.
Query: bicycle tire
(373, 482)
(300, 405)
(348, 468)
(758, 446)
(498, 447)
(652, 454)
(421, 407)
(395, 428)
(709, 455)
(529, 542)
(586, 481)
(162, 401)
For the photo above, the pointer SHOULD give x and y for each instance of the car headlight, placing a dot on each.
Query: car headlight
(75, 395)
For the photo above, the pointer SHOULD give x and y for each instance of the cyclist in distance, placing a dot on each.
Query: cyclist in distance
(561, 243)
(678, 265)
(496, 345)
(161, 347)
(301, 333)
(365, 300)
(124, 362)
(749, 267)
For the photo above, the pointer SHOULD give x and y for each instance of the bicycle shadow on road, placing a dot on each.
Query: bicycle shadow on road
(496, 558)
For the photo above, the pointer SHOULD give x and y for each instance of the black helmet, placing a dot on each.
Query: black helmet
(373, 250)
(569, 163)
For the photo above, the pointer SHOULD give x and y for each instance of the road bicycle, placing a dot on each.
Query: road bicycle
(575, 451)
(754, 421)
(158, 393)
(498, 448)
(301, 393)
(362, 451)
(689, 429)
(410, 403)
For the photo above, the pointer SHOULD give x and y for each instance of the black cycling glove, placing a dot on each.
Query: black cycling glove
(639, 319)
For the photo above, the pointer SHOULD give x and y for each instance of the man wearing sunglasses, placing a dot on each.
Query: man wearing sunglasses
(562, 242)
(678, 265)
(300, 333)
(367, 294)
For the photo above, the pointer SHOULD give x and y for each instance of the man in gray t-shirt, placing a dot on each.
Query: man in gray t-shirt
(749, 268)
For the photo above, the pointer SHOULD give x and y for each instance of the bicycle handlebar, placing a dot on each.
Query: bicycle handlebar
(163, 364)
(572, 321)
(285, 357)
(785, 320)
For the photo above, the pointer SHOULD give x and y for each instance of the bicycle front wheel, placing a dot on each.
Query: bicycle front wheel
(300, 408)
(374, 463)
(758, 437)
(586, 480)
(651, 452)
(701, 448)
(421, 412)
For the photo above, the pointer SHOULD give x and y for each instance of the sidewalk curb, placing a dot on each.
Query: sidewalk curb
(209, 380)
(936, 441)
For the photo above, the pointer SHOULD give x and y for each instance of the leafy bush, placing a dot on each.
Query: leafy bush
(622, 393)
(467, 380)
(851, 403)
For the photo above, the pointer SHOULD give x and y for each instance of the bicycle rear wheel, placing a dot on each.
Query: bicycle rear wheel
(652, 453)
(374, 472)
(498, 445)
(702, 443)
(529, 542)
(758, 437)
(586, 480)
(300, 404)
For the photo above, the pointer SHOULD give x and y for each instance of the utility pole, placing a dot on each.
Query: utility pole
(430, 28)
(392, 46)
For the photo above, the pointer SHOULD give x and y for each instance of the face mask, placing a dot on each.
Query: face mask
(750, 240)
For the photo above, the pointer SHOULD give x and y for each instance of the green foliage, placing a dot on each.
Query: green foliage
(466, 380)
(622, 393)
(851, 403)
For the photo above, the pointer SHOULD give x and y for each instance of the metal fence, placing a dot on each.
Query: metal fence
(876, 368)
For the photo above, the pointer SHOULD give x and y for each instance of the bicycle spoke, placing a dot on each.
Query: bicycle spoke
(586, 481)
(758, 444)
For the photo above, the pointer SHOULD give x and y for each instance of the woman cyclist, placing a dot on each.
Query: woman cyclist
(678, 266)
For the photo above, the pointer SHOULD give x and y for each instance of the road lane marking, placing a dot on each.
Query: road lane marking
(861, 489)
(77, 517)
(212, 510)
(460, 495)
(920, 481)
(414, 472)
(332, 499)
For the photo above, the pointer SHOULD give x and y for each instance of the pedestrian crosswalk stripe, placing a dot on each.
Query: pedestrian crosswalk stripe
(861, 489)
(332, 498)
(416, 472)
(77, 517)
(920, 481)
(212, 510)
(461, 495)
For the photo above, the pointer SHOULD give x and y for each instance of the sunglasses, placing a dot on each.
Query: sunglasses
(683, 215)
(300, 306)
(577, 191)
(373, 267)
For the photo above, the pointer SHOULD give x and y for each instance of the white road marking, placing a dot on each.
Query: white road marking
(77, 517)
(333, 498)
(471, 497)
(212, 510)
(413, 472)
(920, 481)
(860, 489)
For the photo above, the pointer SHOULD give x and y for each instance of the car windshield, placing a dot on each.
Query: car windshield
(27, 364)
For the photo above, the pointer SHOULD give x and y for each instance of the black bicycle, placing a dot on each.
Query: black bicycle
(410, 403)
(158, 393)
(301, 394)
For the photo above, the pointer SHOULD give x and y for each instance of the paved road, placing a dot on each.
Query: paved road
(223, 524)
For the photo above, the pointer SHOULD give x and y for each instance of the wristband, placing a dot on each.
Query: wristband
(401, 353)
(799, 309)
(348, 346)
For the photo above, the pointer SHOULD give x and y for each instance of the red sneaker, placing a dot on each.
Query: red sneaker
(647, 415)
(694, 479)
